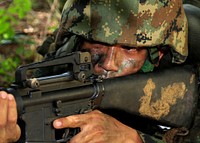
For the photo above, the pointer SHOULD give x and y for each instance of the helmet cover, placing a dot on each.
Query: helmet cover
(135, 23)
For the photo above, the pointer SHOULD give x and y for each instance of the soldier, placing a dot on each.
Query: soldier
(123, 37)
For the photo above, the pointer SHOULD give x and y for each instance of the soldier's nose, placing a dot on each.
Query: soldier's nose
(110, 62)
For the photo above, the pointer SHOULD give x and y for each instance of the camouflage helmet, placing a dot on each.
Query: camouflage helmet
(135, 23)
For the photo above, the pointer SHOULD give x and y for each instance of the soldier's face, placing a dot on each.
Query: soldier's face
(115, 60)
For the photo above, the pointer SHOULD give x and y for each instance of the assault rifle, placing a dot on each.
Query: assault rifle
(40, 100)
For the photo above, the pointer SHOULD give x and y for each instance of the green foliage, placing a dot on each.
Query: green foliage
(10, 16)
(8, 65)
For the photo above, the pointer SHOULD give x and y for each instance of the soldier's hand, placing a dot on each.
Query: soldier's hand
(98, 127)
(9, 130)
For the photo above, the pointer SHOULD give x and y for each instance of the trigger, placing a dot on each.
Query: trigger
(68, 134)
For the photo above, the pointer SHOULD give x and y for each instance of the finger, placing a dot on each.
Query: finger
(12, 112)
(12, 129)
(3, 108)
(81, 137)
(88, 136)
(73, 121)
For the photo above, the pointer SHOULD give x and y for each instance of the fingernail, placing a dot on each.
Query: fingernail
(3, 95)
(10, 97)
(58, 123)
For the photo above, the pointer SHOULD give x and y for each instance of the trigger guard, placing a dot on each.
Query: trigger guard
(68, 134)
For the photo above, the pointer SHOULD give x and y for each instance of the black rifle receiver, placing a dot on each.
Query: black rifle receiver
(43, 99)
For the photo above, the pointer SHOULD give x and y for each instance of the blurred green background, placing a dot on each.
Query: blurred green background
(24, 24)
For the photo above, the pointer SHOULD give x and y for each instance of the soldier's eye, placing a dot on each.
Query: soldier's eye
(96, 58)
(129, 48)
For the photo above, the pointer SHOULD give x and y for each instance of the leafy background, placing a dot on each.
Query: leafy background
(24, 24)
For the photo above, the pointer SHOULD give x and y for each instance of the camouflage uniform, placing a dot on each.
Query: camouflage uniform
(144, 23)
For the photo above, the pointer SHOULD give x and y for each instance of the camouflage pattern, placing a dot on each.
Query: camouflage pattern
(136, 23)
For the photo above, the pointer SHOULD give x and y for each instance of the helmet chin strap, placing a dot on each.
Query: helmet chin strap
(152, 59)
(153, 53)
(147, 67)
